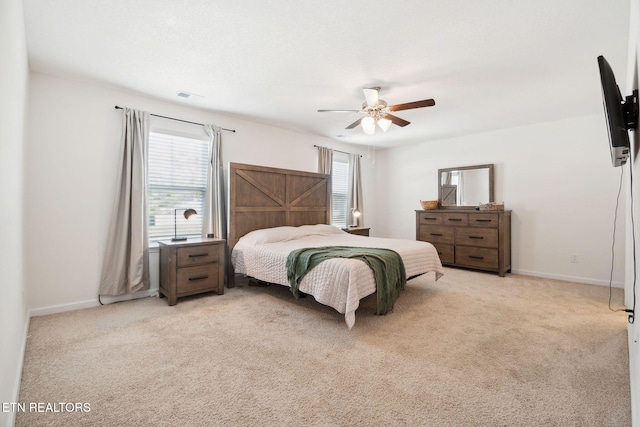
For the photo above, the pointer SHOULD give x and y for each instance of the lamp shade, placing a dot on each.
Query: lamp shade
(189, 213)
(384, 124)
(368, 125)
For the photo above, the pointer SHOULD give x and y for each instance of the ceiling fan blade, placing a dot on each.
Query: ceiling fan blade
(338, 111)
(410, 105)
(371, 95)
(354, 124)
(397, 120)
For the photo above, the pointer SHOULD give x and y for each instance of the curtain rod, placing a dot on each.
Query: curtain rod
(343, 152)
(179, 120)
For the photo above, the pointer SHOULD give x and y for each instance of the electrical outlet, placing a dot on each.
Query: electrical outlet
(574, 258)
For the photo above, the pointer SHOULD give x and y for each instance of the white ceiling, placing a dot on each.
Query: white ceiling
(489, 64)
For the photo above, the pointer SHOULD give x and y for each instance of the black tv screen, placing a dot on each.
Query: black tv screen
(614, 114)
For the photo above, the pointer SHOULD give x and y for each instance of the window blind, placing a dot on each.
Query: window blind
(339, 188)
(177, 175)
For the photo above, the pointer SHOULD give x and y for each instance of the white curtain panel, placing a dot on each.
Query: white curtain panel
(126, 264)
(354, 194)
(325, 160)
(214, 221)
(325, 164)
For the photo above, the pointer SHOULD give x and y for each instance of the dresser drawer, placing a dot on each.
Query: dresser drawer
(430, 218)
(456, 219)
(445, 252)
(483, 220)
(477, 257)
(437, 234)
(194, 255)
(197, 278)
(470, 236)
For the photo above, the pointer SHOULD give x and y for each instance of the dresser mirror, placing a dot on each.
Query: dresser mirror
(465, 187)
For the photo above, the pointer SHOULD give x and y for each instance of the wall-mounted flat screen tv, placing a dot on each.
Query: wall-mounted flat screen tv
(621, 115)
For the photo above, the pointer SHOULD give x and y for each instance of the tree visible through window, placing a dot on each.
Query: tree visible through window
(177, 174)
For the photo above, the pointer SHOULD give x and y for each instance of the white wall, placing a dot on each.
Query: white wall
(14, 320)
(72, 159)
(556, 177)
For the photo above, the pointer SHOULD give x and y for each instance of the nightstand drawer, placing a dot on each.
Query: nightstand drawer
(194, 255)
(198, 277)
(358, 231)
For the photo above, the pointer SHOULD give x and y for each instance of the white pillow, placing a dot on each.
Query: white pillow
(319, 229)
(284, 233)
(270, 235)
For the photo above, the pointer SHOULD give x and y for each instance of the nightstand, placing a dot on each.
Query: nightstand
(191, 267)
(360, 231)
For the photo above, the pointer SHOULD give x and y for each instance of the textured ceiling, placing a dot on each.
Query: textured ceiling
(488, 64)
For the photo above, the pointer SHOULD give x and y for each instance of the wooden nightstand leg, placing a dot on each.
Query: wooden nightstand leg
(172, 298)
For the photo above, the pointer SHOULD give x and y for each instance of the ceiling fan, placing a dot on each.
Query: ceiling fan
(377, 112)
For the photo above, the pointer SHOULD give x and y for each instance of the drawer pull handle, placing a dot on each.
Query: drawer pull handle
(476, 237)
(476, 257)
(430, 218)
(193, 279)
(436, 234)
(197, 255)
(455, 219)
(483, 220)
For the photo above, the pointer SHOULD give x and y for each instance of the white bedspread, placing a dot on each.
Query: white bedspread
(339, 283)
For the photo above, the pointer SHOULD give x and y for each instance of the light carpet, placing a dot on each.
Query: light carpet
(469, 349)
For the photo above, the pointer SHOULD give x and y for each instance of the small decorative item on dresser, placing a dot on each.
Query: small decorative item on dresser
(491, 207)
(429, 204)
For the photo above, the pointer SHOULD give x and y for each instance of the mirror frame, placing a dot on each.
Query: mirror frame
(462, 168)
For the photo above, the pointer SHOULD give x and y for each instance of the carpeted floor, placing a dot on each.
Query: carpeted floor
(470, 349)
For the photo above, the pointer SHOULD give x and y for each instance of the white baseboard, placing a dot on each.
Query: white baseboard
(576, 279)
(90, 303)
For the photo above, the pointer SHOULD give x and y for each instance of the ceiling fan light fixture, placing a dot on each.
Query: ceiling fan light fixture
(368, 125)
(376, 111)
(384, 124)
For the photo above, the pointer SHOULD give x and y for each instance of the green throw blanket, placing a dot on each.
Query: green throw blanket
(388, 269)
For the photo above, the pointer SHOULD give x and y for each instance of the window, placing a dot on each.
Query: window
(339, 188)
(177, 174)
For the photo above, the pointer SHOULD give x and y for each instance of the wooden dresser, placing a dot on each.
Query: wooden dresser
(468, 238)
(191, 267)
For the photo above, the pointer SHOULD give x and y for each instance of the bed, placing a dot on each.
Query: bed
(274, 211)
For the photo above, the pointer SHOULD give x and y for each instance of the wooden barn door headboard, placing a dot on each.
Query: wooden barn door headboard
(263, 197)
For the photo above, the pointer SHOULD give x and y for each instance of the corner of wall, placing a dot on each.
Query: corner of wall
(633, 71)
